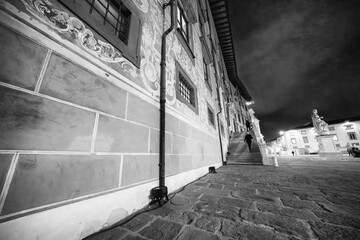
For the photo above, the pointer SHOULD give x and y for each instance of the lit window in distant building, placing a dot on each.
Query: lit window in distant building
(331, 128)
(293, 140)
(303, 131)
(352, 135)
(306, 140)
(355, 144)
(335, 138)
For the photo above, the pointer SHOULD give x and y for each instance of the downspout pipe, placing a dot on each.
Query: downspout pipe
(159, 193)
(218, 121)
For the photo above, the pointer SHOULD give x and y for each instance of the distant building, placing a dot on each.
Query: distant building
(79, 108)
(302, 139)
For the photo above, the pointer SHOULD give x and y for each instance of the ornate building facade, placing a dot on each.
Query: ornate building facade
(302, 139)
(79, 89)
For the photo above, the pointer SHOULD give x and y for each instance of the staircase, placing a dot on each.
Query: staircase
(238, 152)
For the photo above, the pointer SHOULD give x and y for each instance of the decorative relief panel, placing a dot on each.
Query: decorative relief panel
(74, 28)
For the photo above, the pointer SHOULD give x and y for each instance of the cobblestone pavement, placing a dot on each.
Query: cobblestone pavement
(301, 199)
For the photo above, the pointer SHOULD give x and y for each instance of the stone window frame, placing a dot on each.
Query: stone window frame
(129, 49)
(181, 75)
(185, 41)
(305, 139)
(303, 131)
(331, 128)
(211, 116)
(352, 135)
(206, 75)
(293, 140)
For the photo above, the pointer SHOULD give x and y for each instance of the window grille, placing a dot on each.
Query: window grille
(114, 14)
(186, 91)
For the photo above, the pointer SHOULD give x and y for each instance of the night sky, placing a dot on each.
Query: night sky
(297, 55)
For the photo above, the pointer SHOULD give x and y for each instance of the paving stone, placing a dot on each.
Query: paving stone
(211, 191)
(328, 231)
(217, 210)
(216, 186)
(266, 187)
(312, 197)
(240, 230)
(161, 230)
(162, 211)
(242, 193)
(192, 233)
(286, 211)
(340, 209)
(339, 219)
(192, 193)
(299, 190)
(138, 222)
(130, 237)
(283, 224)
(207, 223)
(303, 204)
(271, 193)
(182, 217)
(239, 203)
(210, 198)
(116, 233)
(345, 201)
(201, 183)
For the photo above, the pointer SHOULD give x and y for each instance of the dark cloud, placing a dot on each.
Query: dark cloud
(296, 55)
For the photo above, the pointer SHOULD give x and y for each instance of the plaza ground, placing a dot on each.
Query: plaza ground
(300, 199)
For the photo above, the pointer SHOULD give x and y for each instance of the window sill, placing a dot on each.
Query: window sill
(185, 45)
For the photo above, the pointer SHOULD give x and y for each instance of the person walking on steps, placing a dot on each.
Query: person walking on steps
(247, 139)
(248, 127)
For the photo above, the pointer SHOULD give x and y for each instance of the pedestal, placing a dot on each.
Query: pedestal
(327, 147)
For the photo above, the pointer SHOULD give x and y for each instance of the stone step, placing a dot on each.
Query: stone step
(244, 163)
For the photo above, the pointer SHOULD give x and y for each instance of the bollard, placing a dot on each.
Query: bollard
(275, 162)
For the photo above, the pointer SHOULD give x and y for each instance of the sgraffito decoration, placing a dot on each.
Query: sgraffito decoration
(143, 5)
(149, 74)
(73, 27)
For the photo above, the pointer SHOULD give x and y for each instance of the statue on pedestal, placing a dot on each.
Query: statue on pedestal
(320, 126)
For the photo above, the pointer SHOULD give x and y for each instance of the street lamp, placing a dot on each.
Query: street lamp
(281, 132)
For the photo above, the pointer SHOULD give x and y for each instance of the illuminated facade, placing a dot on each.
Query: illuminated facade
(302, 139)
(79, 101)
